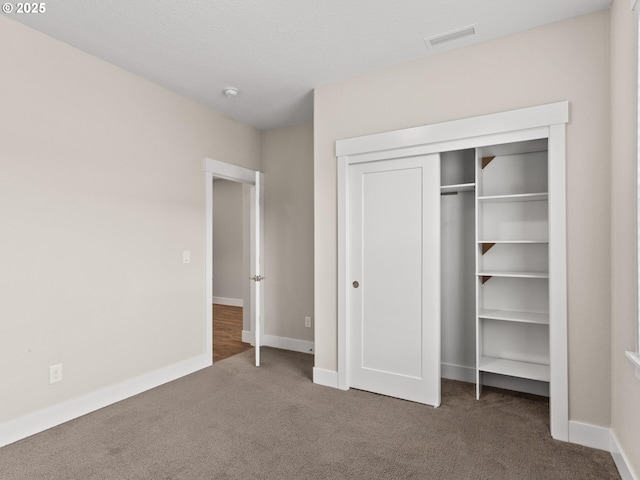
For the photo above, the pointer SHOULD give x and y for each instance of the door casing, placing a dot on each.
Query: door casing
(255, 180)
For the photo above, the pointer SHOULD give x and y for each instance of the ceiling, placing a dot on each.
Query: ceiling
(276, 51)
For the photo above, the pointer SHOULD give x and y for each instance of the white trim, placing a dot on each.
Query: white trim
(558, 334)
(544, 121)
(326, 378)
(514, 120)
(635, 356)
(208, 316)
(343, 273)
(231, 302)
(451, 144)
(228, 171)
(283, 343)
(286, 343)
(36, 422)
(589, 435)
(217, 169)
(257, 262)
(621, 460)
(635, 359)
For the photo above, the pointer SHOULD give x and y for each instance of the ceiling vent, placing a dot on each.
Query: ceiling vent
(438, 40)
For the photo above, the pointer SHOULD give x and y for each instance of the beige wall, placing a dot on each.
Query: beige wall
(625, 414)
(229, 276)
(287, 159)
(568, 60)
(101, 189)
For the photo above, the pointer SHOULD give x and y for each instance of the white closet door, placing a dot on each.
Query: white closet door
(394, 302)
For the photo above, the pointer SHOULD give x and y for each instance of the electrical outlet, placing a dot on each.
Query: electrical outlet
(55, 373)
(307, 322)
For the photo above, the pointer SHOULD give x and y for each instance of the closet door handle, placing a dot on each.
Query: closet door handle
(355, 284)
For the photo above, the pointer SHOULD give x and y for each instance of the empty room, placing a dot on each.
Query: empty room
(421, 217)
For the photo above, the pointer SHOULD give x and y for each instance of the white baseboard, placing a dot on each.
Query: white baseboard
(231, 302)
(283, 343)
(622, 462)
(14, 430)
(589, 435)
(326, 378)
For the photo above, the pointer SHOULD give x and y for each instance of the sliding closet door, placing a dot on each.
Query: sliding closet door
(394, 252)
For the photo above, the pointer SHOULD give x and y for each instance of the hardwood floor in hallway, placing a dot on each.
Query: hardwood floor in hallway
(227, 332)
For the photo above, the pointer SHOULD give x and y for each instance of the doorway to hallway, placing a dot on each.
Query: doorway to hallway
(227, 332)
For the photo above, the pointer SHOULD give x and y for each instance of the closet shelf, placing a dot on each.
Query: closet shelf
(460, 187)
(514, 274)
(512, 316)
(518, 197)
(532, 371)
(514, 241)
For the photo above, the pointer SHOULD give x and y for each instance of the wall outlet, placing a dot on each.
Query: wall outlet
(55, 373)
(307, 322)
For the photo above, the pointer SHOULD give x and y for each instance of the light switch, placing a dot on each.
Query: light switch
(186, 256)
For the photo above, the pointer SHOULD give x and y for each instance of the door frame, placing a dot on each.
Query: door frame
(215, 169)
(543, 121)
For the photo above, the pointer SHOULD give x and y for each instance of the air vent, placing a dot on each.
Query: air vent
(443, 38)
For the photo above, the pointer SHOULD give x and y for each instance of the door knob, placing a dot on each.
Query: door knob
(355, 284)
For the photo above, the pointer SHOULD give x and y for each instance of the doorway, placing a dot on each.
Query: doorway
(251, 275)
(230, 268)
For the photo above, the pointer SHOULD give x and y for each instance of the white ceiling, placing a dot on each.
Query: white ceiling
(276, 51)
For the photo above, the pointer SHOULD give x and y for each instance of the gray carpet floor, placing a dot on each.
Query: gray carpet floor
(235, 421)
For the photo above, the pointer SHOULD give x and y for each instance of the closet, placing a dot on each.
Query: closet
(495, 266)
(491, 247)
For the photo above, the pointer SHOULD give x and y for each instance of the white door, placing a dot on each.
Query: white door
(257, 264)
(394, 266)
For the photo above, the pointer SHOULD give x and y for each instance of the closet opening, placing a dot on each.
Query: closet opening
(457, 267)
(495, 266)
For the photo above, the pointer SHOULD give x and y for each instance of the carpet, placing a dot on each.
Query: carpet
(236, 421)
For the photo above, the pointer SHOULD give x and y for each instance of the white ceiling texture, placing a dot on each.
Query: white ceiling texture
(276, 51)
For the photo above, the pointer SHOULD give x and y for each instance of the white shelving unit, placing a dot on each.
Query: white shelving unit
(512, 262)
(512, 316)
(532, 371)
